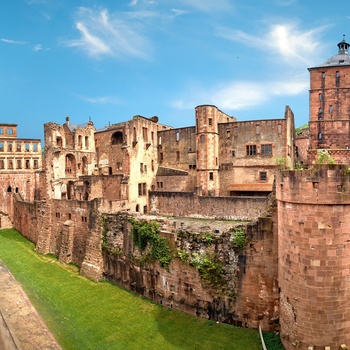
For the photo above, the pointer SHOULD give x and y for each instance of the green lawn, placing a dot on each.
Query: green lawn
(83, 314)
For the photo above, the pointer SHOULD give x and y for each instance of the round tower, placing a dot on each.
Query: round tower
(207, 142)
(314, 257)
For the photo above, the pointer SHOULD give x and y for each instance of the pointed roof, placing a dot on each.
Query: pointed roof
(341, 59)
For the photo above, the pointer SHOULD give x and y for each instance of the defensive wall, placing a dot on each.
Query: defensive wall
(314, 250)
(190, 204)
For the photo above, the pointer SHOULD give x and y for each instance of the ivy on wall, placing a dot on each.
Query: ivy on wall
(146, 237)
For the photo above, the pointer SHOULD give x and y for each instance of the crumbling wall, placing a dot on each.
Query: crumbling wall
(242, 292)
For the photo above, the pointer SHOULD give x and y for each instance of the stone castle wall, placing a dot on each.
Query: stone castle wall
(314, 250)
(189, 204)
(251, 273)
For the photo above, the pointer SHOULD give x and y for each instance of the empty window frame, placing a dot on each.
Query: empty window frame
(142, 189)
(266, 150)
(251, 150)
(263, 176)
(211, 176)
(9, 131)
(210, 121)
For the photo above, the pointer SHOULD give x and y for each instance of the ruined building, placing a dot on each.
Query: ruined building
(253, 242)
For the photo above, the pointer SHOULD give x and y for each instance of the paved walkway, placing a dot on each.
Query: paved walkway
(20, 325)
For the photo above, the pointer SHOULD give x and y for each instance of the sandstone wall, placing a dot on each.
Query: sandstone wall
(314, 250)
(250, 296)
(189, 204)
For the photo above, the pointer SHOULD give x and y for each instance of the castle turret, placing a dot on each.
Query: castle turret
(314, 250)
(207, 144)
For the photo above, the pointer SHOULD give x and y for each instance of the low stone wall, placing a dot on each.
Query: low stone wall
(189, 204)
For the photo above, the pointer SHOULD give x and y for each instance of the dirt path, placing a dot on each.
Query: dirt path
(20, 325)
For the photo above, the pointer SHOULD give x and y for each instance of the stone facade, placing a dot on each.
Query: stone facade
(20, 166)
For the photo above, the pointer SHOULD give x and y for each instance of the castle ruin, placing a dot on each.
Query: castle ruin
(204, 185)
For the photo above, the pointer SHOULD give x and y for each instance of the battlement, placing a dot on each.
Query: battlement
(323, 184)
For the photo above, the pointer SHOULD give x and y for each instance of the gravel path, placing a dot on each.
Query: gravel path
(20, 325)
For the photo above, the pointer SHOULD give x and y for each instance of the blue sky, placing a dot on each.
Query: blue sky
(111, 60)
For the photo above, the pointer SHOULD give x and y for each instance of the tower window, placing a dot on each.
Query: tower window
(320, 96)
(211, 176)
(320, 135)
(337, 78)
(210, 121)
(202, 138)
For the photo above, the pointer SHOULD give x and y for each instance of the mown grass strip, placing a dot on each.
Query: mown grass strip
(83, 314)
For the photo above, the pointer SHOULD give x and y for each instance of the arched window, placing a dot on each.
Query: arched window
(70, 165)
(87, 145)
(117, 138)
(80, 141)
(137, 208)
(9, 189)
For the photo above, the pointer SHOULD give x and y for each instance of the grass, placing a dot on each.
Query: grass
(83, 314)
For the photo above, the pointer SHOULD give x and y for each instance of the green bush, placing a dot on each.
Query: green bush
(239, 239)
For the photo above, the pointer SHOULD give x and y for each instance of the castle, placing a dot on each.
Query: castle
(233, 175)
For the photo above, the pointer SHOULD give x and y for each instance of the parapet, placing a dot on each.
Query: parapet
(323, 184)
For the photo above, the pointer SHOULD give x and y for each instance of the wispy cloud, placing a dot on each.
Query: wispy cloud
(176, 12)
(209, 5)
(241, 95)
(16, 42)
(102, 34)
(101, 99)
(295, 46)
(39, 47)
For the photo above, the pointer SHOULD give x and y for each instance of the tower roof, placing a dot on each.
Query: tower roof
(340, 59)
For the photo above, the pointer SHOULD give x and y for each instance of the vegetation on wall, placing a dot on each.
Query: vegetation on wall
(281, 163)
(239, 239)
(300, 129)
(146, 237)
(323, 157)
(210, 267)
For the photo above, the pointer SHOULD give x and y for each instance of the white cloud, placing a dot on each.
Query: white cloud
(101, 99)
(105, 35)
(16, 42)
(37, 47)
(133, 3)
(243, 95)
(292, 44)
